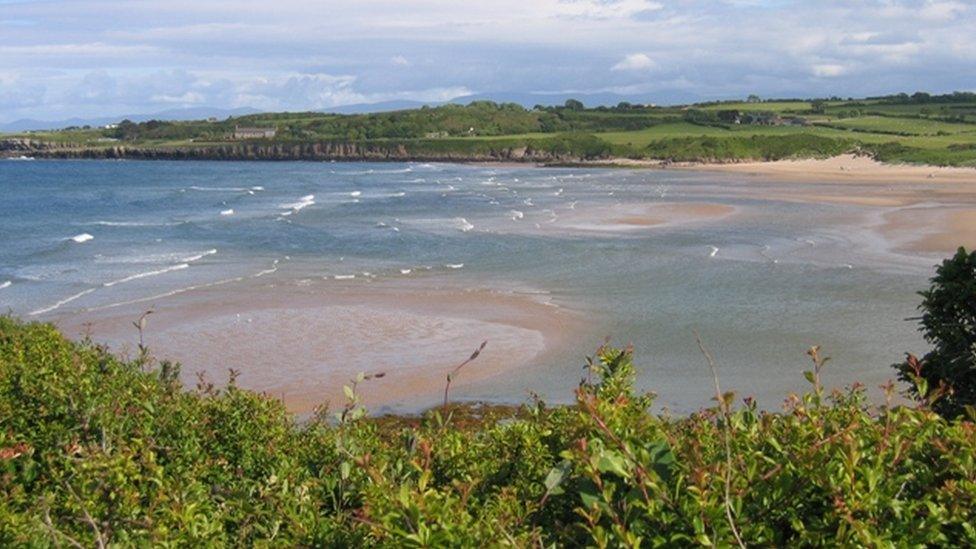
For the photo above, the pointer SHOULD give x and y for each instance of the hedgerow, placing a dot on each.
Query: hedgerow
(96, 450)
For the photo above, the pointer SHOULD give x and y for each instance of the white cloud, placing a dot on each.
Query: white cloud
(188, 98)
(828, 70)
(605, 9)
(291, 54)
(635, 62)
(939, 11)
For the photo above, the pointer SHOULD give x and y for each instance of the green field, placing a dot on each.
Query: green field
(919, 129)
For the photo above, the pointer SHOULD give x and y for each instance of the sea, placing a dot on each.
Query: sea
(760, 286)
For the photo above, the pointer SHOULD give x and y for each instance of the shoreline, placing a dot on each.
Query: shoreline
(846, 167)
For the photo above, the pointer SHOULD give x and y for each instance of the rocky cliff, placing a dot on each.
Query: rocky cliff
(351, 151)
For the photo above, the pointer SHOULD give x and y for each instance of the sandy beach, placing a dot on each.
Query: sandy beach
(303, 342)
(926, 209)
(844, 168)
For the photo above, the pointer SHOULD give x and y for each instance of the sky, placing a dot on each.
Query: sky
(67, 58)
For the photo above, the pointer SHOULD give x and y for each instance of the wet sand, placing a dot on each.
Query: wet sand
(584, 218)
(302, 343)
(629, 217)
(931, 229)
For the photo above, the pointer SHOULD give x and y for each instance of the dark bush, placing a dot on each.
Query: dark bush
(947, 374)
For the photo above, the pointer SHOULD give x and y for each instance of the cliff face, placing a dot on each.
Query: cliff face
(284, 151)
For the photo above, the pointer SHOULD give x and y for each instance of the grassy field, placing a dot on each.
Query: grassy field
(934, 130)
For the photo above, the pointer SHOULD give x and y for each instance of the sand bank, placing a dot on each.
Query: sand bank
(302, 343)
(844, 168)
(580, 218)
(931, 229)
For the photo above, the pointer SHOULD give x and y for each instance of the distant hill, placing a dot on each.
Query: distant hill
(193, 113)
(531, 99)
(382, 106)
(526, 99)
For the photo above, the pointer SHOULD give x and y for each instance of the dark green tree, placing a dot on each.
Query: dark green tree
(947, 374)
(574, 105)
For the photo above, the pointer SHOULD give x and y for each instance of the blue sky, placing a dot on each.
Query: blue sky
(63, 58)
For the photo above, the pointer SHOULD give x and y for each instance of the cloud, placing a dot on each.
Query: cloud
(606, 9)
(290, 54)
(828, 70)
(635, 62)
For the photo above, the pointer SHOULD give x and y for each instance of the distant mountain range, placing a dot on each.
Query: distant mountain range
(527, 100)
(194, 113)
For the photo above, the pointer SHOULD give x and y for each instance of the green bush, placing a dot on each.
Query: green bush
(95, 450)
(754, 147)
(947, 374)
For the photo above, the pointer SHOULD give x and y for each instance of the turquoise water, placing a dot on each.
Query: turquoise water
(760, 286)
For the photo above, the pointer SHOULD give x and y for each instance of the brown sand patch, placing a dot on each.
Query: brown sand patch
(630, 217)
(931, 230)
(303, 343)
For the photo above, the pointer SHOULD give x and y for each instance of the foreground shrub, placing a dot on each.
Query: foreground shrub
(99, 451)
(947, 374)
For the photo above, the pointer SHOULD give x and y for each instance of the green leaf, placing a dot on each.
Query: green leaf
(556, 476)
(610, 462)
(349, 392)
(663, 459)
(590, 497)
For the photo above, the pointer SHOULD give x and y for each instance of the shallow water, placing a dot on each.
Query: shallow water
(761, 285)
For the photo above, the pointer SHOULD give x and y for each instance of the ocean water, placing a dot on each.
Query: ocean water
(760, 286)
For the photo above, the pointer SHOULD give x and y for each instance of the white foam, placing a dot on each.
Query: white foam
(516, 215)
(528, 202)
(713, 251)
(5, 284)
(227, 212)
(167, 294)
(129, 224)
(454, 265)
(462, 224)
(406, 271)
(302, 203)
(225, 189)
(147, 274)
(274, 268)
(199, 256)
(344, 277)
(257, 188)
(356, 193)
(61, 303)
(83, 237)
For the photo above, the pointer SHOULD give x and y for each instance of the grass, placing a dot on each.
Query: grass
(903, 126)
(936, 133)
